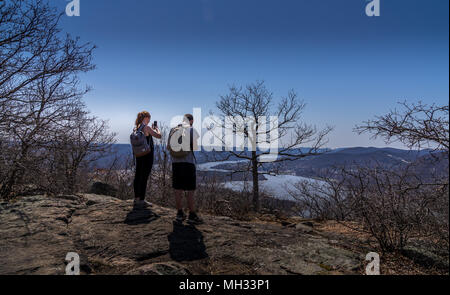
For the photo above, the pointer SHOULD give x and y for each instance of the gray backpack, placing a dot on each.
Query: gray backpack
(139, 142)
(176, 143)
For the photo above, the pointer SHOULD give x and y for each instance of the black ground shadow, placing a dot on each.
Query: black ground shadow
(140, 216)
(186, 243)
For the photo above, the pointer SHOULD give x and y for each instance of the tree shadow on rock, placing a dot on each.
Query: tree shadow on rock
(186, 243)
(140, 216)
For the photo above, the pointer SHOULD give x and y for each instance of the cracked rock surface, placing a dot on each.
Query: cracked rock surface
(110, 237)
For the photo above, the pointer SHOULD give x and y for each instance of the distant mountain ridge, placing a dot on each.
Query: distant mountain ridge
(339, 156)
(362, 156)
(424, 163)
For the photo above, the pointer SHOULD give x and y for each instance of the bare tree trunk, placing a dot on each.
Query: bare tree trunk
(255, 182)
(16, 174)
(71, 181)
(6, 189)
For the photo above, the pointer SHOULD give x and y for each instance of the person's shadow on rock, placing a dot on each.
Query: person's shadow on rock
(140, 216)
(186, 243)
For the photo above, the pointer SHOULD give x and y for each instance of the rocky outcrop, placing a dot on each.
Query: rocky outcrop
(37, 232)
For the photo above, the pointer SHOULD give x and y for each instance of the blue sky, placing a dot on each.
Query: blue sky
(168, 56)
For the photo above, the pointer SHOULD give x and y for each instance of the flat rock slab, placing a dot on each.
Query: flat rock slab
(37, 232)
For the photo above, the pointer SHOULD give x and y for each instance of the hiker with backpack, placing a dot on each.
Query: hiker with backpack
(182, 143)
(143, 149)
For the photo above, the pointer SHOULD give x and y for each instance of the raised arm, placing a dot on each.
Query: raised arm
(152, 131)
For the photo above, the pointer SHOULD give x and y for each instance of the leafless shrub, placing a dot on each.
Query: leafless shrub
(160, 184)
(119, 174)
(393, 206)
(86, 140)
(321, 199)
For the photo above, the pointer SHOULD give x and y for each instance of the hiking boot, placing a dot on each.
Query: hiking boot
(194, 219)
(146, 204)
(180, 216)
(142, 204)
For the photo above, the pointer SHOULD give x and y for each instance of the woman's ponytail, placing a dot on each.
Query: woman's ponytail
(140, 117)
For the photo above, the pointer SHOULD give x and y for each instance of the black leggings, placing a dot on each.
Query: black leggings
(143, 168)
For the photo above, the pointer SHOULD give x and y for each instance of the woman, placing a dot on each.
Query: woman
(144, 163)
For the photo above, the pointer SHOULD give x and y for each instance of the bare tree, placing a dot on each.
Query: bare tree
(255, 102)
(393, 204)
(31, 49)
(39, 88)
(45, 105)
(417, 124)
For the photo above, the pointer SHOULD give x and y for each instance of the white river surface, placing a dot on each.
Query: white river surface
(275, 185)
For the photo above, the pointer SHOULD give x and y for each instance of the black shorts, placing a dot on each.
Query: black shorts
(184, 176)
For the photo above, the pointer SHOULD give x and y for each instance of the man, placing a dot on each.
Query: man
(184, 178)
